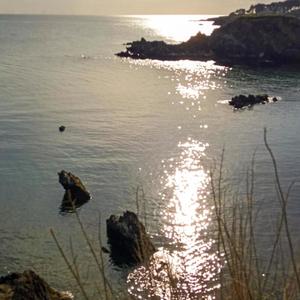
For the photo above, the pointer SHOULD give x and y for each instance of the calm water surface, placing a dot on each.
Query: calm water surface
(156, 124)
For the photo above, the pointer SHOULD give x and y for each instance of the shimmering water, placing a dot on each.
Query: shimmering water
(128, 123)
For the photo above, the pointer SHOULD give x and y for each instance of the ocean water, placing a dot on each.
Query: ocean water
(157, 125)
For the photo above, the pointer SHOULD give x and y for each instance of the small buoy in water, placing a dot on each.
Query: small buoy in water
(62, 128)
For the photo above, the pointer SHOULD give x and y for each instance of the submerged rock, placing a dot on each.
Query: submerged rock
(259, 40)
(75, 192)
(128, 240)
(28, 286)
(242, 101)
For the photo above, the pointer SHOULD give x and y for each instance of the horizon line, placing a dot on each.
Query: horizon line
(104, 15)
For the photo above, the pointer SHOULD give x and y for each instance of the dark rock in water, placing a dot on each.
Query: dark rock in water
(75, 192)
(242, 101)
(253, 40)
(28, 286)
(62, 128)
(129, 243)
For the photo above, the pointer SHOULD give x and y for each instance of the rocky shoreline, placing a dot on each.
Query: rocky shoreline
(252, 40)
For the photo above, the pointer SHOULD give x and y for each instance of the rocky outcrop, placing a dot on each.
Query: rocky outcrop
(28, 286)
(268, 40)
(242, 101)
(75, 192)
(262, 40)
(129, 243)
(196, 49)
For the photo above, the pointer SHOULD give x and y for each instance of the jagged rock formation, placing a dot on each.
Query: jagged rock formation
(129, 243)
(28, 286)
(75, 192)
(242, 101)
(271, 40)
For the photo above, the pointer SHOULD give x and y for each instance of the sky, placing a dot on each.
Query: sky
(115, 7)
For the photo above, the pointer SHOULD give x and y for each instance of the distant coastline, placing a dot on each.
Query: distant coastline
(268, 36)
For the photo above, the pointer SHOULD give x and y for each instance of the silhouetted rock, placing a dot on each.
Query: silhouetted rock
(75, 192)
(241, 101)
(62, 128)
(193, 49)
(261, 40)
(128, 240)
(271, 39)
(28, 286)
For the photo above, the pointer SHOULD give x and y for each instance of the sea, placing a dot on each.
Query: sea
(142, 135)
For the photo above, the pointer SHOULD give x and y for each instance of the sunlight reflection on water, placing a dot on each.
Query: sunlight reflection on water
(188, 265)
(192, 79)
(177, 28)
(189, 270)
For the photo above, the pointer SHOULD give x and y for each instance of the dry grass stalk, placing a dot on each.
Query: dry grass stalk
(246, 276)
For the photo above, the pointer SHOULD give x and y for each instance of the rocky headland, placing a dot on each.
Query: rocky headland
(247, 39)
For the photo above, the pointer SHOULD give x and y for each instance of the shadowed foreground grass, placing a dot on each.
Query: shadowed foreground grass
(247, 273)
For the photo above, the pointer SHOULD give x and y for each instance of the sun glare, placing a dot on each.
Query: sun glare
(177, 28)
(192, 80)
(188, 268)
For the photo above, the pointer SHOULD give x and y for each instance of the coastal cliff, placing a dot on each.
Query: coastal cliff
(247, 39)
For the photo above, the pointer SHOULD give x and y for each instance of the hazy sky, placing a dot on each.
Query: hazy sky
(107, 7)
